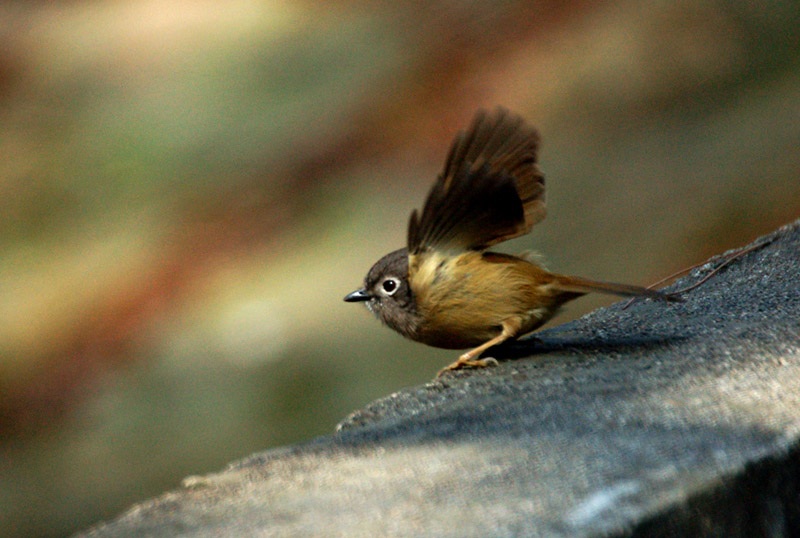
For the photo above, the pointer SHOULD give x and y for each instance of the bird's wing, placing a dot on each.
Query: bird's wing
(490, 190)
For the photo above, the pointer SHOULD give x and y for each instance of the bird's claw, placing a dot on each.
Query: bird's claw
(469, 363)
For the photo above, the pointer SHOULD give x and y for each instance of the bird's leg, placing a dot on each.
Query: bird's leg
(510, 329)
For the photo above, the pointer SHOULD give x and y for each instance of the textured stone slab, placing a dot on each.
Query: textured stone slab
(658, 420)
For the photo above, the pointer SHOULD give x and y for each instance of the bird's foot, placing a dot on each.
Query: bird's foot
(468, 362)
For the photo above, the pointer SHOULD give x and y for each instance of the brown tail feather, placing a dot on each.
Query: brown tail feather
(584, 285)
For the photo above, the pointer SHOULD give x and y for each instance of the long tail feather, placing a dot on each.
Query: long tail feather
(584, 285)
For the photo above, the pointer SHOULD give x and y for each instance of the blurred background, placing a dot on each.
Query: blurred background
(189, 188)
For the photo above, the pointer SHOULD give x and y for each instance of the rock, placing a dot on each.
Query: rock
(677, 419)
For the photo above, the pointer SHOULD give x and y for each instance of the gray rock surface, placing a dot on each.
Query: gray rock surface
(657, 420)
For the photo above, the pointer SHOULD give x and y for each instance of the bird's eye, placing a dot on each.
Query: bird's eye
(389, 286)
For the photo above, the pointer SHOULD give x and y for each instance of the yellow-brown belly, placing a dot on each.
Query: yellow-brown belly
(463, 300)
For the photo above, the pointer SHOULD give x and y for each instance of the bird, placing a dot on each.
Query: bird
(445, 288)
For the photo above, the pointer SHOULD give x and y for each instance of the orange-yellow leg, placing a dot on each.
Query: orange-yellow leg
(510, 328)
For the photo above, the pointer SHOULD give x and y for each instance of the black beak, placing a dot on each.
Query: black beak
(357, 296)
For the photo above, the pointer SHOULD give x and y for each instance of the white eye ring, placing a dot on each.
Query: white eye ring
(390, 286)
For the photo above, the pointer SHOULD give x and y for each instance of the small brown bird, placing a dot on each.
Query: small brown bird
(444, 289)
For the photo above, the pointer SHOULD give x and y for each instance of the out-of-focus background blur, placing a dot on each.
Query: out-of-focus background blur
(189, 188)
